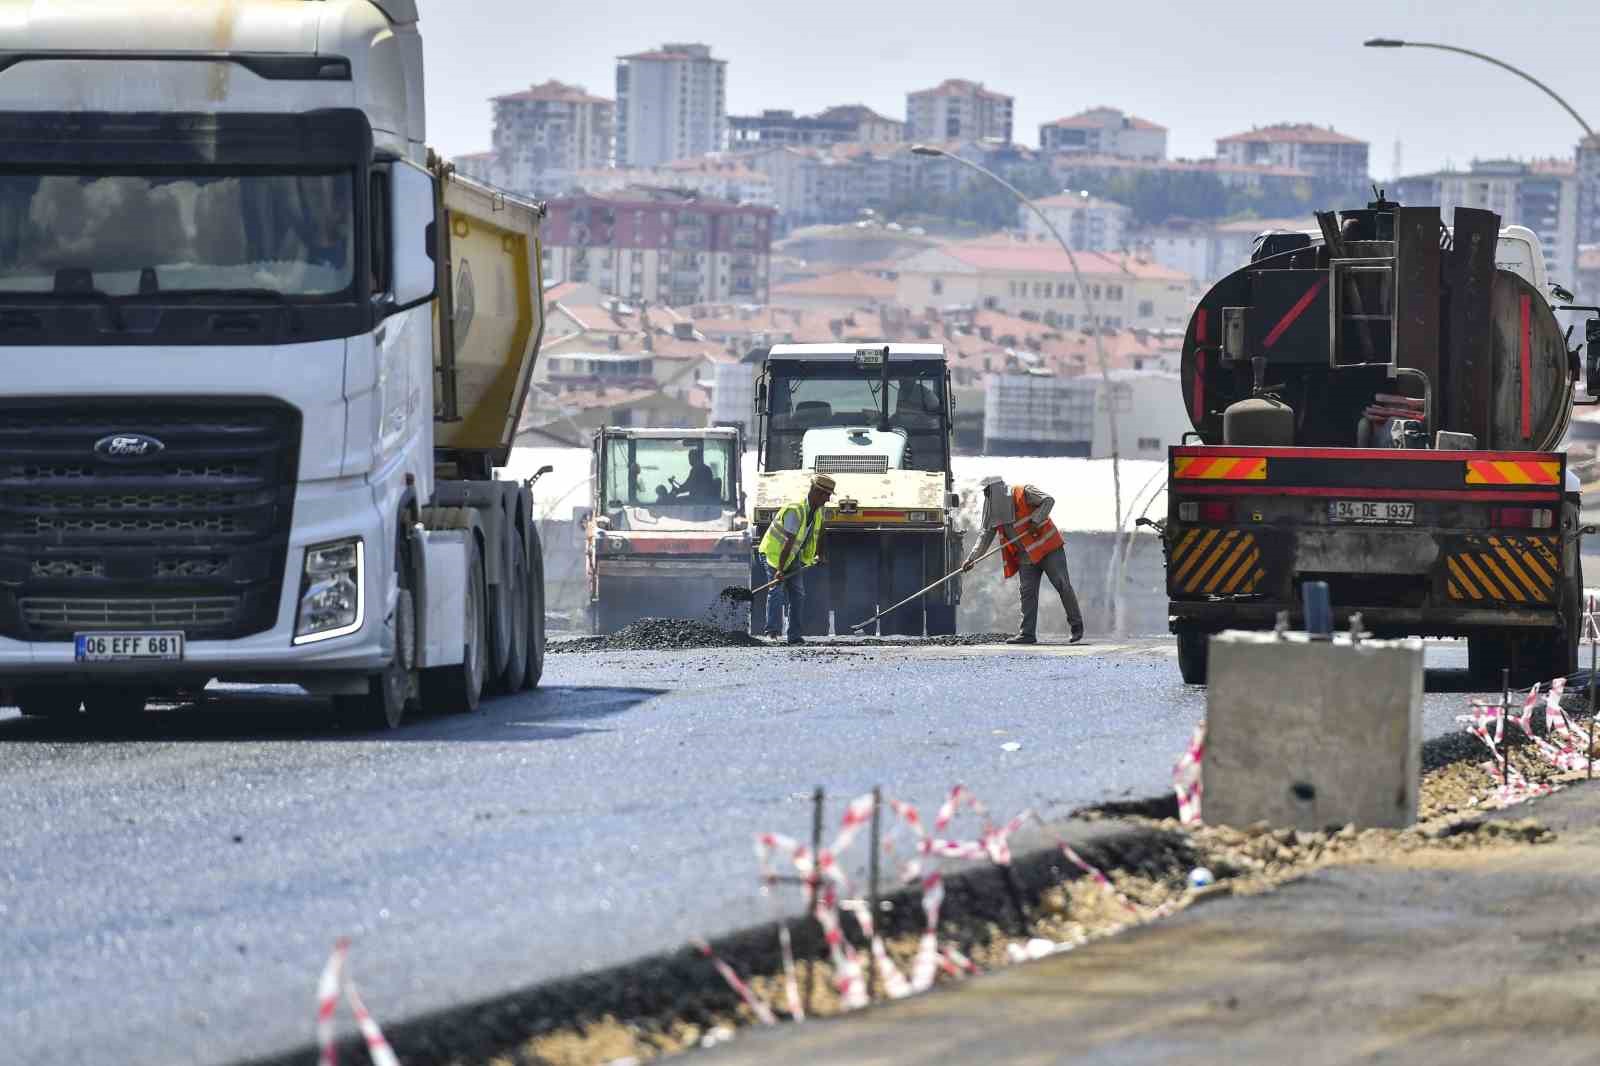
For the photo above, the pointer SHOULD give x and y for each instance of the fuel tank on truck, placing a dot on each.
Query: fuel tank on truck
(1403, 321)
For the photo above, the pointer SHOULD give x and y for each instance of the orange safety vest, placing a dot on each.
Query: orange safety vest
(1037, 540)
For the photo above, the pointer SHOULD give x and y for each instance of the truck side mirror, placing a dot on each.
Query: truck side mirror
(412, 204)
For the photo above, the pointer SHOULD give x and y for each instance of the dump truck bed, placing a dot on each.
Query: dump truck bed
(490, 317)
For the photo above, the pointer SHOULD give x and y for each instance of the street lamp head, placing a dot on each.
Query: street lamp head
(926, 149)
(1384, 42)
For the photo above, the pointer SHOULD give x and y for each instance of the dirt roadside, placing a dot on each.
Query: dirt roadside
(1433, 955)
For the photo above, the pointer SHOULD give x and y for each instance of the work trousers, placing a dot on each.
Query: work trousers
(1054, 567)
(791, 593)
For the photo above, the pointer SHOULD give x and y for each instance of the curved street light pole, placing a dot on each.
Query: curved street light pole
(1114, 586)
(1389, 42)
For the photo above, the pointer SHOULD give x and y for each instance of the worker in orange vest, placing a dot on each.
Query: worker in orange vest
(1022, 514)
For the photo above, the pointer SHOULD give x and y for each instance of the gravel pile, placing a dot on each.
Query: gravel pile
(660, 634)
(959, 640)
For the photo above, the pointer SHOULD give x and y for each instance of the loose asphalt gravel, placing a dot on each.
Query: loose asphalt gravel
(171, 887)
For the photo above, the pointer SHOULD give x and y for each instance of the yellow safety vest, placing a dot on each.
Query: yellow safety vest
(772, 545)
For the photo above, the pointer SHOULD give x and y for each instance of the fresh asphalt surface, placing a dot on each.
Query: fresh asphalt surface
(171, 887)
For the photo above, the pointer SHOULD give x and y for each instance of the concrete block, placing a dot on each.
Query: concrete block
(1310, 734)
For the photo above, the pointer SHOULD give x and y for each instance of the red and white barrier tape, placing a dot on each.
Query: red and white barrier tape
(334, 980)
(1186, 778)
(1513, 787)
(757, 1005)
(1591, 620)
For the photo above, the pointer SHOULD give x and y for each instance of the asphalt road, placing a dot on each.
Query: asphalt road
(170, 889)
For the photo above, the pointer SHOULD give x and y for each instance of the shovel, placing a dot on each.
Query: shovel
(735, 594)
(952, 574)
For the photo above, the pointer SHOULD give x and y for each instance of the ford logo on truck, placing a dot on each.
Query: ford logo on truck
(128, 447)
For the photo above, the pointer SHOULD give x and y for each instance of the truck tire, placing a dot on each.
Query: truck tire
(515, 673)
(46, 702)
(1193, 655)
(459, 689)
(383, 706)
(536, 637)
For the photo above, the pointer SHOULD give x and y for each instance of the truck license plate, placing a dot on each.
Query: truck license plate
(129, 647)
(1372, 512)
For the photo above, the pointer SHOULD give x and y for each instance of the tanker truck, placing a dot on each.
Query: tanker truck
(264, 356)
(1379, 406)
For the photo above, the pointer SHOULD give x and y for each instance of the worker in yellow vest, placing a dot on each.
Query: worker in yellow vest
(791, 544)
(1022, 514)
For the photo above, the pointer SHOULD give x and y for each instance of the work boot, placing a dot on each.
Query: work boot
(1023, 638)
(795, 640)
(1076, 638)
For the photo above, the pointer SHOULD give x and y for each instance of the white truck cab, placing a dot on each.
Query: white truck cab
(219, 262)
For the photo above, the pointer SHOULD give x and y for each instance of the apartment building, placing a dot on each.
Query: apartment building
(837, 125)
(663, 249)
(671, 104)
(1208, 251)
(1087, 222)
(553, 126)
(1105, 131)
(1543, 195)
(1036, 278)
(1323, 152)
(959, 110)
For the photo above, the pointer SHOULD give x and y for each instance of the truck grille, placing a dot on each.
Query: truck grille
(852, 464)
(81, 615)
(195, 538)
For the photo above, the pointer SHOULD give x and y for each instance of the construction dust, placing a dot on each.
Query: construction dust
(660, 634)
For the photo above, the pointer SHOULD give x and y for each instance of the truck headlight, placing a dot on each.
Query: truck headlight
(332, 591)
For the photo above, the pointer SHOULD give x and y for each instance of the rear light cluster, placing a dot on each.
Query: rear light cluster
(1215, 511)
(1522, 518)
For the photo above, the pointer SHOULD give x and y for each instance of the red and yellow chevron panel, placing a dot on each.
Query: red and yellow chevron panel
(1218, 468)
(1507, 570)
(1214, 562)
(1513, 472)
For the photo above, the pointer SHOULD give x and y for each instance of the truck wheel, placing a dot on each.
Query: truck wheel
(536, 639)
(383, 705)
(108, 703)
(1193, 655)
(48, 702)
(516, 671)
(458, 689)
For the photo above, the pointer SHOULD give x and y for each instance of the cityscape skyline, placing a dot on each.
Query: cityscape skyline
(1507, 119)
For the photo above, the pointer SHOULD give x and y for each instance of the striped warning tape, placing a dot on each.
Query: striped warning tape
(1487, 722)
(1513, 472)
(1216, 562)
(1219, 468)
(757, 1005)
(1591, 623)
(334, 980)
(1504, 569)
(1186, 777)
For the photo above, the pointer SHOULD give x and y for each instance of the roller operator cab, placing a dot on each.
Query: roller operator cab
(667, 531)
(262, 356)
(1380, 407)
(876, 418)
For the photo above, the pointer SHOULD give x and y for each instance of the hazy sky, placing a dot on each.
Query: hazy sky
(1203, 70)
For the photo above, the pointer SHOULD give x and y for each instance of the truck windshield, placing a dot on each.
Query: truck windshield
(817, 398)
(656, 472)
(143, 234)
